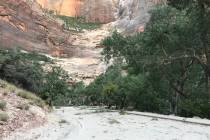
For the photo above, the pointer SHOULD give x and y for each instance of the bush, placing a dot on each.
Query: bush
(78, 24)
(28, 71)
(168, 57)
(26, 95)
(4, 117)
(3, 104)
(23, 69)
(55, 87)
(24, 106)
(30, 96)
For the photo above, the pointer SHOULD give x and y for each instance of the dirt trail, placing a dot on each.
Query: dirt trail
(88, 123)
(86, 63)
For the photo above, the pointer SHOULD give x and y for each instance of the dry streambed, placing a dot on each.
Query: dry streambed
(85, 123)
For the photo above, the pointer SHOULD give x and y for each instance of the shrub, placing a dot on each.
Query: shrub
(3, 104)
(30, 96)
(28, 71)
(4, 117)
(78, 24)
(26, 95)
(24, 106)
(55, 87)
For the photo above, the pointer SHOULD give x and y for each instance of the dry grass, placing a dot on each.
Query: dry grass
(10, 89)
(33, 98)
(3, 104)
(4, 117)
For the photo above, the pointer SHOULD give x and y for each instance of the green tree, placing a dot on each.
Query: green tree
(174, 46)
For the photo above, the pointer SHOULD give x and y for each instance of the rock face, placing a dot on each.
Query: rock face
(134, 14)
(99, 10)
(63, 7)
(130, 15)
(23, 25)
(93, 10)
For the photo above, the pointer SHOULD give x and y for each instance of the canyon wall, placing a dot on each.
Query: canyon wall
(132, 15)
(128, 15)
(23, 25)
(93, 10)
(63, 7)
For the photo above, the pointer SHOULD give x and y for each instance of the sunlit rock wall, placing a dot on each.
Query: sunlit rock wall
(93, 10)
(63, 7)
(129, 15)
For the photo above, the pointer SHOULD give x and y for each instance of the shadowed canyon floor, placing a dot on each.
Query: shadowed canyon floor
(85, 123)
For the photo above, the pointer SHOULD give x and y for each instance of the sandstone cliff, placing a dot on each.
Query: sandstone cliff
(129, 15)
(93, 10)
(23, 25)
(132, 15)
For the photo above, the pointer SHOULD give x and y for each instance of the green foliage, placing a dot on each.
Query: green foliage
(33, 98)
(168, 64)
(4, 117)
(55, 87)
(23, 69)
(77, 94)
(28, 70)
(109, 89)
(114, 89)
(180, 4)
(78, 24)
(3, 104)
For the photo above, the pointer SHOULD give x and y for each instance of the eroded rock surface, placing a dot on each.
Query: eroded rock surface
(93, 10)
(132, 15)
(23, 25)
(86, 63)
(129, 15)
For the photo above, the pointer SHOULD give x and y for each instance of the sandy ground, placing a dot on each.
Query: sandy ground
(82, 123)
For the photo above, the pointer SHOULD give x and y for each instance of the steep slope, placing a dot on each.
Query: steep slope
(19, 109)
(132, 15)
(86, 63)
(23, 25)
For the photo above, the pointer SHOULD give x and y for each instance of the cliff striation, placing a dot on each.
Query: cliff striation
(127, 15)
(22, 24)
(93, 10)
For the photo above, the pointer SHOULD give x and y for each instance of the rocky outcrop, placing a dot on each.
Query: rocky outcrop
(134, 14)
(22, 114)
(93, 10)
(63, 7)
(23, 25)
(99, 10)
(130, 15)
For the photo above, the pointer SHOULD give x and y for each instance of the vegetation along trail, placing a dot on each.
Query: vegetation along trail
(140, 71)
